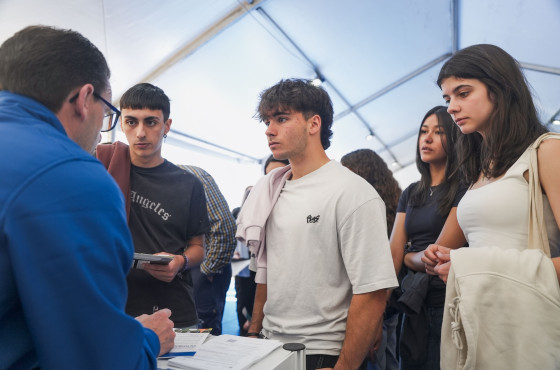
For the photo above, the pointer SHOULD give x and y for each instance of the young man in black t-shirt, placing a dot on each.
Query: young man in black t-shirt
(167, 215)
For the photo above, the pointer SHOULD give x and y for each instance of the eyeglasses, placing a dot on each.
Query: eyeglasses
(111, 118)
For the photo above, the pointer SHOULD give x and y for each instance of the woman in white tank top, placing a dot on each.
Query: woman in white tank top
(489, 99)
(502, 302)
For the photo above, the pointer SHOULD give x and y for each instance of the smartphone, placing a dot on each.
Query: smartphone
(141, 258)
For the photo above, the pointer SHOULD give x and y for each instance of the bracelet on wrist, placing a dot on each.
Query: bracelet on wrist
(253, 335)
(186, 265)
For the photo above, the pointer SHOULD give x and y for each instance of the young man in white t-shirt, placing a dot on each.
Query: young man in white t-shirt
(328, 261)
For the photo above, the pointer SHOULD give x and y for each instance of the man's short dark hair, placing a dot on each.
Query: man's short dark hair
(146, 96)
(300, 96)
(47, 63)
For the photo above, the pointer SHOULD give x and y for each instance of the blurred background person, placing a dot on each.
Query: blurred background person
(370, 166)
(272, 163)
(212, 277)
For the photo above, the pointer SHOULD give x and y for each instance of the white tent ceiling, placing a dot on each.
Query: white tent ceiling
(379, 60)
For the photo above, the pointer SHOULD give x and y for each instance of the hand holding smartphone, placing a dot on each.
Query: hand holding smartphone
(141, 258)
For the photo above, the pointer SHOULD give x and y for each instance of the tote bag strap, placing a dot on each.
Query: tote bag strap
(538, 238)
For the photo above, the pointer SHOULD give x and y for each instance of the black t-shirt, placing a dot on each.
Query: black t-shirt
(168, 207)
(423, 225)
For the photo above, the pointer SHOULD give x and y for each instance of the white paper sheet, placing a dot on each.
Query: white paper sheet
(186, 343)
(226, 352)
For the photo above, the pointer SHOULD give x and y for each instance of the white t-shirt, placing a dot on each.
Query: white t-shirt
(326, 239)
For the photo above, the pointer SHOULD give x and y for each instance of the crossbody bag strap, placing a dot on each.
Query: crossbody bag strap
(538, 237)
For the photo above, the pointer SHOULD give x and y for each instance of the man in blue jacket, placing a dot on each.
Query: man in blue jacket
(65, 248)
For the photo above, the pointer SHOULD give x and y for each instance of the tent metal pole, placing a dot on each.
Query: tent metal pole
(215, 148)
(230, 18)
(540, 68)
(393, 86)
(320, 75)
(455, 26)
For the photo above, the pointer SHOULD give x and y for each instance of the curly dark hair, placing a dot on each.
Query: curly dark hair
(301, 96)
(369, 165)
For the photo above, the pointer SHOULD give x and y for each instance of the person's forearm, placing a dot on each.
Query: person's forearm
(195, 250)
(258, 309)
(451, 236)
(219, 251)
(195, 256)
(220, 240)
(413, 261)
(364, 318)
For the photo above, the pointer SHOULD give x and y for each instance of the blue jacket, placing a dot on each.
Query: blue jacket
(65, 250)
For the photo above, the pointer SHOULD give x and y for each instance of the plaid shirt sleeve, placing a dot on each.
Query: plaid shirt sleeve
(220, 241)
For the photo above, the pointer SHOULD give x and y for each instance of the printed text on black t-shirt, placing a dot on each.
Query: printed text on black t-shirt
(148, 204)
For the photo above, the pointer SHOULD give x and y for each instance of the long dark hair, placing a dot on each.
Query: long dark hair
(513, 124)
(452, 178)
(369, 165)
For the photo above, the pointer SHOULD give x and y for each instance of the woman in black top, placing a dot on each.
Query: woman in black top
(421, 214)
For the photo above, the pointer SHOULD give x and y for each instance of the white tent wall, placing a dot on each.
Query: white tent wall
(379, 60)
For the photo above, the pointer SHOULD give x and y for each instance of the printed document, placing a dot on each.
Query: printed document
(186, 344)
(226, 352)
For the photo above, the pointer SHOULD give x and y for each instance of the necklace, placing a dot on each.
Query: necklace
(432, 188)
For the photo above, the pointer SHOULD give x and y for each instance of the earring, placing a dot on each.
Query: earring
(165, 136)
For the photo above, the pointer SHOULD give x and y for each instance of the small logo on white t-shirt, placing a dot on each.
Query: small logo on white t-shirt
(312, 220)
